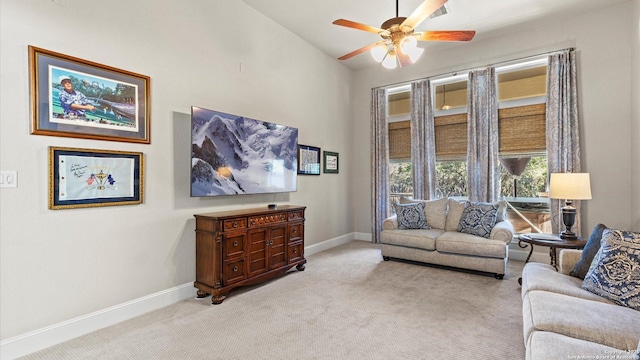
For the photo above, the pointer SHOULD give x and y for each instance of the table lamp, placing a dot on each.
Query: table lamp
(569, 186)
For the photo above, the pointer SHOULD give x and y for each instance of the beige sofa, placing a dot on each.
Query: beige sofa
(563, 321)
(444, 245)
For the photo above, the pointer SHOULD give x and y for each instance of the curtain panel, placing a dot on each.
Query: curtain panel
(563, 142)
(483, 167)
(379, 162)
(423, 143)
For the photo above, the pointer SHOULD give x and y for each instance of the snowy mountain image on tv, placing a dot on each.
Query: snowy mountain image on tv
(236, 155)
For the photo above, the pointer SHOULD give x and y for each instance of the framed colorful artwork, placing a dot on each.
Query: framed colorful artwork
(72, 97)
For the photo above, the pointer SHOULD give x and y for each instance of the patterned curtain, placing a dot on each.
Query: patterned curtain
(423, 146)
(483, 167)
(563, 142)
(379, 162)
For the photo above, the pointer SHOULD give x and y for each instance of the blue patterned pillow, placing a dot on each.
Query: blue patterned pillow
(478, 219)
(615, 270)
(412, 216)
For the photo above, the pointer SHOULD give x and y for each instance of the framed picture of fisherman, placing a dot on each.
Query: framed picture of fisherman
(72, 97)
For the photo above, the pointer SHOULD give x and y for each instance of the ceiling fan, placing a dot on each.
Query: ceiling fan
(399, 41)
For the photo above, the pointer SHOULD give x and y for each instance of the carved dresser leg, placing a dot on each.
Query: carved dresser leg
(217, 299)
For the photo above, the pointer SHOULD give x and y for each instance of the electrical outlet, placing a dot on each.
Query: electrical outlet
(9, 179)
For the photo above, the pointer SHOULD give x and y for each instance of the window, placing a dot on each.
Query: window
(522, 154)
(522, 144)
(400, 172)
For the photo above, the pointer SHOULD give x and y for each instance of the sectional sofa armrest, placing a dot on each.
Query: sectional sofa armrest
(503, 230)
(567, 259)
(390, 223)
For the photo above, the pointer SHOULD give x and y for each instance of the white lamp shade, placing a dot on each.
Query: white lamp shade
(415, 53)
(390, 61)
(570, 186)
(379, 52)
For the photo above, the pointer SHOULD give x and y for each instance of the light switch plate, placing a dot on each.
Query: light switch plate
(9, 178)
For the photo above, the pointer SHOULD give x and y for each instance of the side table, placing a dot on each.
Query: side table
(554, 242)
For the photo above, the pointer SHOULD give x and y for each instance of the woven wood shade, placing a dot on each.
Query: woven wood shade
(521, 130)
(451, 137)
(400, 141)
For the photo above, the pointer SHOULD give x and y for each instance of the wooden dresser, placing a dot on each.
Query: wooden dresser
(246, 247)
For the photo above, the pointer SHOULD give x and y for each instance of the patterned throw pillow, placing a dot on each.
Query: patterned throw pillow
(588, 252)
(412, 216)
(478, 219)
(615, 270)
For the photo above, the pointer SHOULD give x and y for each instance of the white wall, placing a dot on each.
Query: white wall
(604, 64)
(635, 116)
(58, 265)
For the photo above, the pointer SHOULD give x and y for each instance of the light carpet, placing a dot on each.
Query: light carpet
(347, 304)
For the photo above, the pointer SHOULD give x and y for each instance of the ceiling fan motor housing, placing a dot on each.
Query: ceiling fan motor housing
(394, 34)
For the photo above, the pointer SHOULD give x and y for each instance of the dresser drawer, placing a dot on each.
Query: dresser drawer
(296, 231)
(296, 252)
(234, 271)
(235, 224)
(268, 219)
(296, 215)
(233, 245)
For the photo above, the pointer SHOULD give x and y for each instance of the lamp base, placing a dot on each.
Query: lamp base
(568, 235)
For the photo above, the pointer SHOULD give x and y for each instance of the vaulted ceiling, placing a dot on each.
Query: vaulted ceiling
(312, 20)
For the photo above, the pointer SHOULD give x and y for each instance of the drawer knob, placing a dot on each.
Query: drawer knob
(235, 224)
(295, 251)
(235, 243)
(235, 268)
(295, 231)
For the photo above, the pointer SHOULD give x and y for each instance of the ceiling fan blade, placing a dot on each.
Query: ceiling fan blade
(359, 51)
(453, 35)
(422, 12)
(359, 26)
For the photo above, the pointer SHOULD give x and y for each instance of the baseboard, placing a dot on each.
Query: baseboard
(51, 335)
(328, 244)
(521, 255)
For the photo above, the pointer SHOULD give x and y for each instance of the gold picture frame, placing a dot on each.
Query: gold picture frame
(80, 178)
(72, 97)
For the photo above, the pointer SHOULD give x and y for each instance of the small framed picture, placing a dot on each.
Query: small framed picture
(72, 97)
(89, 178)
(330, 162)
(308, 160)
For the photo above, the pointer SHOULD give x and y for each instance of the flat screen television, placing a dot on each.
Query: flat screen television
(233, 155)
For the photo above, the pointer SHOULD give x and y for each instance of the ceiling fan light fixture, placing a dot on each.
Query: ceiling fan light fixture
(379, 52)
(410, 48)
(399, 39)
(390, 62)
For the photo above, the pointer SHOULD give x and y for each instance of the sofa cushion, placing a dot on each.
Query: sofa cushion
(411, 216)
(465, 244)
(436, 211)
(478, 219)
(454, 213)
(545, 345)
(588, 252)
(420, 239)
(607, 324)
(615, 270)
(538, 276)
